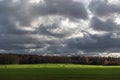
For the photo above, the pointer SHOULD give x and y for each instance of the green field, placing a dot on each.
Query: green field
(59, 72)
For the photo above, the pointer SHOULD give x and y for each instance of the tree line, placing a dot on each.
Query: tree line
(39, 59)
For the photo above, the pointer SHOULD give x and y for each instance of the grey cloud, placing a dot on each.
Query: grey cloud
(46, 30)
(66, 46)
(22, 13)
(67, 8)
(103, 8)
(8, 41)
(13, 15)
(54, 30)
(108, 25)
(9, 26)
(102, 43)
(18, 11)
(54, 38)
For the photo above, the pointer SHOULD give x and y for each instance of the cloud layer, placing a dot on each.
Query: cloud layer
(59, 26)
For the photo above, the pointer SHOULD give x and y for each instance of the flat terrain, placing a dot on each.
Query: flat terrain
(59, 72)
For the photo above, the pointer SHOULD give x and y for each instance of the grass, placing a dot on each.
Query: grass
(59, 72)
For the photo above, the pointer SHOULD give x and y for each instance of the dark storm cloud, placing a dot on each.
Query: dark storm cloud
(108, 25)
(8, 25)
(103, 8)
(16, 11)
(67, 8)
(46, 30)
(8, 41)
(97, 43)
(13, 15)
(54, 32)
(22, 13)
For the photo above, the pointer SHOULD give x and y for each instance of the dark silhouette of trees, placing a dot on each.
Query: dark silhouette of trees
(9, 59)
(36, 59)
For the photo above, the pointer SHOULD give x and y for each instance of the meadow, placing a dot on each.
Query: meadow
(59, 72)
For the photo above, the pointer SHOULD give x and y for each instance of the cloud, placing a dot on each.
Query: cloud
(103, 8)
(58, 26)
(96, 43)
(22, 13)
(67, 8)
(108, 25)
(51, 30)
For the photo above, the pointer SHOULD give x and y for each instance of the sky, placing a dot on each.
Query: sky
(63, 27)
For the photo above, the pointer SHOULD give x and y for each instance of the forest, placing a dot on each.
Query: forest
(39, 59)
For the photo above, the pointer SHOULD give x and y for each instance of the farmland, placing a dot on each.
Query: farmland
(59, 72)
